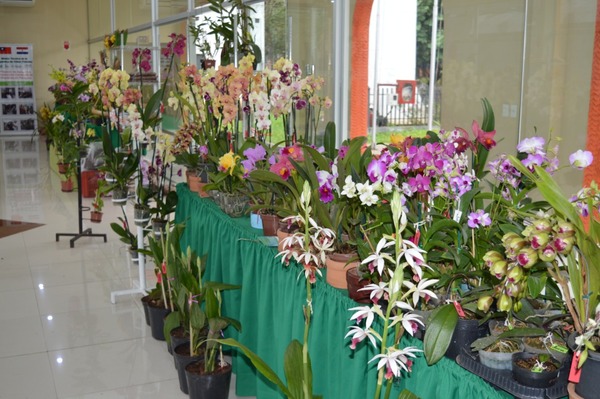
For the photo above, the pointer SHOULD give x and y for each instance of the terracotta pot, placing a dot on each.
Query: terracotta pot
(270, 224)
(66, 186)
(280, 236)
(206, 64)
(62, 168)
(355, 282)
(337, 264)
(95, 217)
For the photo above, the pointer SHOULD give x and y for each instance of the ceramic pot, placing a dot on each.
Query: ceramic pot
(355, 282)
(337, 265)
(532, 379)
(204, 386)
(270, 224)
(95, 217)
(182, 359)
(66, 186)
(157, 316)
(465, 332)
(141, 215)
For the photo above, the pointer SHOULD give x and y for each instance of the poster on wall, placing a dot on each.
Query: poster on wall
(17, 98)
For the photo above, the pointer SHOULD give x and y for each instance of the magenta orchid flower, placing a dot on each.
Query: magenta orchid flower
(479, 218)
(486, 139)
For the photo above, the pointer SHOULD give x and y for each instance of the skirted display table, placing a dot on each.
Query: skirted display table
(269, 307)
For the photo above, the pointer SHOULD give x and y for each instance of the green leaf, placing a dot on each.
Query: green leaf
(171, 321)
(293, 368)
(439, 333)
(536, 283)
(329, 140)
(260, 365)
(406, 394)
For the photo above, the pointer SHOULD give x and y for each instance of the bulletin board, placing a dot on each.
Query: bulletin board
(17, 97)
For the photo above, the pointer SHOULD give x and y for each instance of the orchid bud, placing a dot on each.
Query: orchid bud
(515, 245)
(506, 238)
(528, 231)
(515, 274)
(514, 289)
(547, 254)
(492, 257)
(517, 306)
(542, 225)
(504, 303)
(484, 303)
(563, 245)
(527, 257)
(565, 229)
(539, 239)
(498, 269)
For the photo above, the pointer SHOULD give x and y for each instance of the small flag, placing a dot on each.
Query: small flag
(5, 50)
(22, 50)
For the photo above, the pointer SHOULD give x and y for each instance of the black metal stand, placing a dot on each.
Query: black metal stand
(82, 233)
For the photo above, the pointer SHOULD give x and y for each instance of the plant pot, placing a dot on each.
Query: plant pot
(233, 205)
(255, 220)
(134, 254)
(95, 217)
(535, 345)
(270, 224)
(119, 196)
(355, 282)
(465, 332)
(589, 377)
(337, 264)
(182, 359)
(145, 300)
(62, 167)
(177, 337)
(498, 360)
(141, 215)
(208, 63)
(157, 316)
(532, 379)
(66, 186)
(159, 227)
(213, 386)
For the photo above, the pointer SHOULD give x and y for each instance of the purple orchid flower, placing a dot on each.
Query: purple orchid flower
(479, 218)
(581, 159)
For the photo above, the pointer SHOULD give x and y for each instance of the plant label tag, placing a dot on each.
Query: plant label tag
(457, 215)
(575, 373)
(559, 348)
(459, 310)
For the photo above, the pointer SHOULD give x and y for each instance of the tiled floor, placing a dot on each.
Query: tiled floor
(60, 335)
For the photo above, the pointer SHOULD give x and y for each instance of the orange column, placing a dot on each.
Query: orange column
(593, 136)
(359, 79)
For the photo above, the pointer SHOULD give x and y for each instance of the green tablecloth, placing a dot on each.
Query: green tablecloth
(269, 307)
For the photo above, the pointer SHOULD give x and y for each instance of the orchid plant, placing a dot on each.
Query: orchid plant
(308, 248)
(403, 263)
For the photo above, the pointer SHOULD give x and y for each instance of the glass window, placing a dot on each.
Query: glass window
(166, 8)
(132, 13)
(99, 18)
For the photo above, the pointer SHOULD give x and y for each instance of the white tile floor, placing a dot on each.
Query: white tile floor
(60, 335)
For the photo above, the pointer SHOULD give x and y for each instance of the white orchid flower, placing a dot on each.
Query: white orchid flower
(349, 189)
(366, 312)
(378, 291)
(378, 257)
(395, 360)
(420, 289)
(358, 335)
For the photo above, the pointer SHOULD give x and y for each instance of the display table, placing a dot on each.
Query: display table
(269, 307)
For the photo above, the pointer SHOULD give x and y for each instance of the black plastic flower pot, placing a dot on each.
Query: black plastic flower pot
(204, 386)
(588, 379)
(182, 357)
(157, 321)
(178, 336)
(465, 332)
(145, 300)
(525, 376)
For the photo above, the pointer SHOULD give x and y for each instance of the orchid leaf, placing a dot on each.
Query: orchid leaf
(329, 140)
(439, 333)
(406, 394)
(294, 369)
(260, 365)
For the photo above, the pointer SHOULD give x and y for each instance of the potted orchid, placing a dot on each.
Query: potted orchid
(308, 248)
(227, 185)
